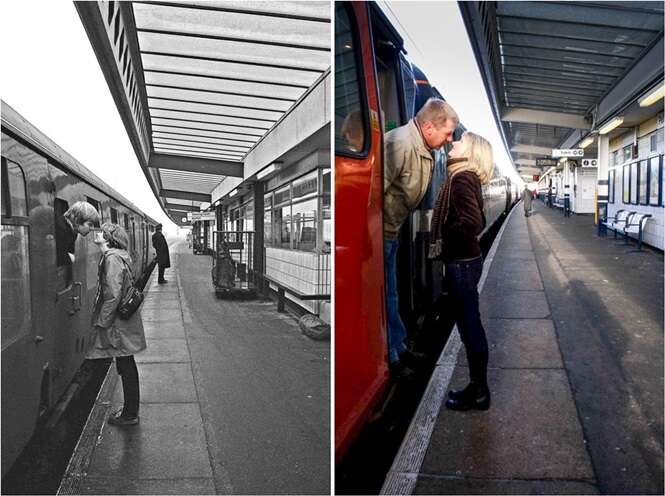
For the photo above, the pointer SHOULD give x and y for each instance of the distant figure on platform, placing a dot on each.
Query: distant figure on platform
(162, 249)
(408, 170)
(457, 222)
(549, 196)
(527, 200)
(114, 337)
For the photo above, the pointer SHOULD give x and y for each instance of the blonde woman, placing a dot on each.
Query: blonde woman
(456, 225)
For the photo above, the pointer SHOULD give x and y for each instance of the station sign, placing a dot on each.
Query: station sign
(571, 152)
(197, 216)
(546, 162)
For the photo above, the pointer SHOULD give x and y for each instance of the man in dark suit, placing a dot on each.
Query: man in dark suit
(162, 250)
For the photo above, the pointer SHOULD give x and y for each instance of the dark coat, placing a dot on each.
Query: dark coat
(465, 220)
(162, 249)
(65, 240)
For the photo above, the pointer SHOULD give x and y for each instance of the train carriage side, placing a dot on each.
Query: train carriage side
(46, 306)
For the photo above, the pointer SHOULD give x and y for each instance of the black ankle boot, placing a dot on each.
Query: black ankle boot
(470, 398)
(458, 394)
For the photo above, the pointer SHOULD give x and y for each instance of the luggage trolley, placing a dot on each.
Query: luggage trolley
(233, 264)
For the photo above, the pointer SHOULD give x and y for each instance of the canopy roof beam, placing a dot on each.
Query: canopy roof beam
(196, 164)
(184, 195)
(531, 150)
(182, 208)
(558, 119)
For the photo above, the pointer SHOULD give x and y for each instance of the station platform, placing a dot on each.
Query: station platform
(575, 327)
(221, 409)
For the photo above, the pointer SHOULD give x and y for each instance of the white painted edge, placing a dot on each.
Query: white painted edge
(403, 474)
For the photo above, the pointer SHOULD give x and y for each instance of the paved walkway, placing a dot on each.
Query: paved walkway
(576, 362)
(187, 441)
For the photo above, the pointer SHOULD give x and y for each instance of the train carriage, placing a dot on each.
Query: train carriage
(46, 307)
(376, 90)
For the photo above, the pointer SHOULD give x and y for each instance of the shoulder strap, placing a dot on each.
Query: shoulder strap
(129, 269)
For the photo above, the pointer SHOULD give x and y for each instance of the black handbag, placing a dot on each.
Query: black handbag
(131, 300)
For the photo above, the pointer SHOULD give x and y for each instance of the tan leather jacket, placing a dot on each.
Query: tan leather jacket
(406, 176)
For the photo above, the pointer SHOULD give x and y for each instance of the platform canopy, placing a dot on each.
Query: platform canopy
(198, 84)
(549, 67)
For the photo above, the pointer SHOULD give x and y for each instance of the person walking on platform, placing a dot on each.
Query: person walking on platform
(114, 337)
(457, 222)
(527, 200)
(162, 250)
(408, 169)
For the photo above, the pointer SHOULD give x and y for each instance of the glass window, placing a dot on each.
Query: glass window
(654, 181)
(282, 195)
(643, 179)
(95, 204)
(305, 186)
(114, 215)
(267, 220)
(304, 218)
(615, 156)
(610, 187)
(14, 202)
(627, 153)
(653, 143)
(126, 220)
(350, 121)
(16, 312)
(283, 226)
(626, 184)
(633, 183)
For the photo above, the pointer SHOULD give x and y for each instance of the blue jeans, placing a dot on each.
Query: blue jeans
(396, 329)
(462, 279)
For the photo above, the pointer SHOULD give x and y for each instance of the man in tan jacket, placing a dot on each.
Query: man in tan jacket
(407, 173)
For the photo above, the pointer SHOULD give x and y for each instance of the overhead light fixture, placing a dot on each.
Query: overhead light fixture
(233, 193)
(587, 141)
(653, 96)
(614, 123)
(266, 172)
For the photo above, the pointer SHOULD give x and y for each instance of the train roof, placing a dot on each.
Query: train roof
(22, 129)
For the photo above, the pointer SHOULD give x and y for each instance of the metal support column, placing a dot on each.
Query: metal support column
(259, 248)
(566, 188)
(602, 190)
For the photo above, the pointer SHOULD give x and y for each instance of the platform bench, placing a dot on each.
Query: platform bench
(626, 222)
(282, 289)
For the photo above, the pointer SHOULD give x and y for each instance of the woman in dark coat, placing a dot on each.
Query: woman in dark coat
(162, 252)
(457, 223)
(114, 337)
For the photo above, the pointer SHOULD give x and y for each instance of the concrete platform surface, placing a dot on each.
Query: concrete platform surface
(234, 400)
(575, 328)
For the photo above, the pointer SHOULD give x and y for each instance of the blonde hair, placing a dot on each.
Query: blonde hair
(82, 212)
(479, 155)
(437, 112)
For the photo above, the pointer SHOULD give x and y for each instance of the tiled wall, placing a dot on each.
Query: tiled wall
(307, 272)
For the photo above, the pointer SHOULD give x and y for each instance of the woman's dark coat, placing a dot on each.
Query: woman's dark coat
(162, 249)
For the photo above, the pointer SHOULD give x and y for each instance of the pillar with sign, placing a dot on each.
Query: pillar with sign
(602, 191)
(567, 153)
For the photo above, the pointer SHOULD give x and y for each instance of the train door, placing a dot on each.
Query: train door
(360, 341)
(389, 70)
(21, 349)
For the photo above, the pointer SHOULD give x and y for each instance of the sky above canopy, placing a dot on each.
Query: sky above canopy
(436, 41)
(51, 76)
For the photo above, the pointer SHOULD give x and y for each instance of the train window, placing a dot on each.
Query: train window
(95, 204)
(267, 220)
(351, 129)
(132, 240)
(626, 184)
(16, 311)
(14, 202)
(126, 219)
(654, 181)
(627, 153)
(114, 215)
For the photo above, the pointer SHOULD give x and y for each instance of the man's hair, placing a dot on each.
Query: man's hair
(115, 235)
(82, 212)
(437, 112)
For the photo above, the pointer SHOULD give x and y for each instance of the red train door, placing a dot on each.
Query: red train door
(360, 337)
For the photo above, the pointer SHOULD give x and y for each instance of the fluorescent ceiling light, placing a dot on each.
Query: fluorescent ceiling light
(653, 96)
(586, 142)
(265, 172)
(233, 193)
(614, 123)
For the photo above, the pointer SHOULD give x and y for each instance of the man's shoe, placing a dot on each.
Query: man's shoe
(470, 399)
(163, 281)
(118, 418)
(399, 371)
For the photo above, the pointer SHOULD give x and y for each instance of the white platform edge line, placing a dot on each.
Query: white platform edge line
(403, 473)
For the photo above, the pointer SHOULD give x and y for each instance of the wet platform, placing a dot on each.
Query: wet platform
(575, 328)
(206, 426)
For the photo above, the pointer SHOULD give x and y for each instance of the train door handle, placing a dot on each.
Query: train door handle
(76, 297)
(39, 339)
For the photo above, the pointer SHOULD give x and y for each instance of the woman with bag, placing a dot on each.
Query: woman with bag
(115, 337)
(457, 222)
